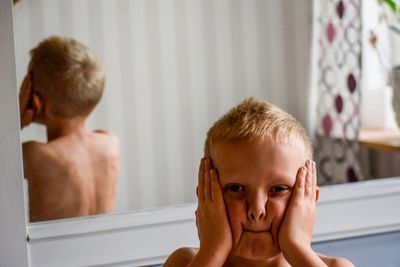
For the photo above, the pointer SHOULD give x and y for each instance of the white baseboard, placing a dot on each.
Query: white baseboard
(148, 237)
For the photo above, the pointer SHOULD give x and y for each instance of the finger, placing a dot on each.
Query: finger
(308, 180)
(25, 93)
(216, 191)
(211, 163)
(27, 117)
(27, 83)
(197, 224)
(23, 85)
(299, 185)
(200, 190)
(37, 104)
(207, 181)
(314, 181)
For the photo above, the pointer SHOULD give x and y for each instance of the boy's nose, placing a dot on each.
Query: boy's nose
(256, 208)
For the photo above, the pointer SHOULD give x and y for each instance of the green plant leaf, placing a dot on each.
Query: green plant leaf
(395, 28)
(392, 4)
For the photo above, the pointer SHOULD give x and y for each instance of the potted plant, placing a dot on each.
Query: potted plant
(394, 5)
(391, 16)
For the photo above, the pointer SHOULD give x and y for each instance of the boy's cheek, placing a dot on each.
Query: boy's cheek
(237, 216)
(278, 206)
(276, 210)
(236, 229)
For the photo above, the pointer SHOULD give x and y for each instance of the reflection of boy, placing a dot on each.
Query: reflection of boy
(75, 173)
(257, 193)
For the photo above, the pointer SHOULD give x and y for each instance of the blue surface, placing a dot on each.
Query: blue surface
(380, 250)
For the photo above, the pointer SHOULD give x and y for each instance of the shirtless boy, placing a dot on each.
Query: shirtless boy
(256, 192)
(75, 173)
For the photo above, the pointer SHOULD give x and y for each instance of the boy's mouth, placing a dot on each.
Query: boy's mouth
(256, 231)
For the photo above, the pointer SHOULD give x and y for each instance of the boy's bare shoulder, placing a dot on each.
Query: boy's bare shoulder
(32, 145)
(335, 262)
(112, 142)
(112, 138)
(107, 133)
(34, 150)
(181, 257)
(37, 157)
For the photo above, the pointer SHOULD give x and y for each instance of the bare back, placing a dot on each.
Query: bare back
(74, 175)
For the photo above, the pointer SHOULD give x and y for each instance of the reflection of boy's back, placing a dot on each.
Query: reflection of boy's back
(75, 173)
(71, 176)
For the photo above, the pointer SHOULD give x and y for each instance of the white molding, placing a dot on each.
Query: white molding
(129, 239)
(13, 247)
(148, 237)
(361, 208)
(111, 222)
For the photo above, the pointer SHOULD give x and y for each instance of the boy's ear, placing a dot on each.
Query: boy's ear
(317, 193)
(37, 104)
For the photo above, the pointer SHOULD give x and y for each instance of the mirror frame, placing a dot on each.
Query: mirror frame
(149, 236)
(13, 222)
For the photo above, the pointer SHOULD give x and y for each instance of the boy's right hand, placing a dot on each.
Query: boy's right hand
(211, 217)
(25, 98)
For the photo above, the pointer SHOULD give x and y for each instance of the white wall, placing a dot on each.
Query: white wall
(173, 67)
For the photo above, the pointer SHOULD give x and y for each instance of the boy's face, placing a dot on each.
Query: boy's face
(256, 179)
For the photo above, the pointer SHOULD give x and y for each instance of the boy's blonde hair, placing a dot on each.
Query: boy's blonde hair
(255, 120)
(67, 75)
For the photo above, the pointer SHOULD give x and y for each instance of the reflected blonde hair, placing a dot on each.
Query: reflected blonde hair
(67, 75)
(255, 120)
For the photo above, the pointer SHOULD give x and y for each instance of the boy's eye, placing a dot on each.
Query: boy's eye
(235, 188)
(278, 189)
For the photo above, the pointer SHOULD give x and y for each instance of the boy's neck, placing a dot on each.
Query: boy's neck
(62, 127)
(278, 261)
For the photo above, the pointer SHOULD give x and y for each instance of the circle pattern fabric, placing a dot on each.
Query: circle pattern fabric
(337, 148)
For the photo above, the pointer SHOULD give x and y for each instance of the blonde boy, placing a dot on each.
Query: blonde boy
(75, 173)
(257, 193)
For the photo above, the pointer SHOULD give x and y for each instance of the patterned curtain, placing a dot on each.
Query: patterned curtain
(338, 60)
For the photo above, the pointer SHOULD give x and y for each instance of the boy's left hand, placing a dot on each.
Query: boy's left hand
(297, 226)
(25, 98)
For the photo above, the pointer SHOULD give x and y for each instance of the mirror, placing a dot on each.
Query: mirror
(172, 68)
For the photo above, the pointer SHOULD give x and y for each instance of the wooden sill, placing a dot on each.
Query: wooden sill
(380, 139)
